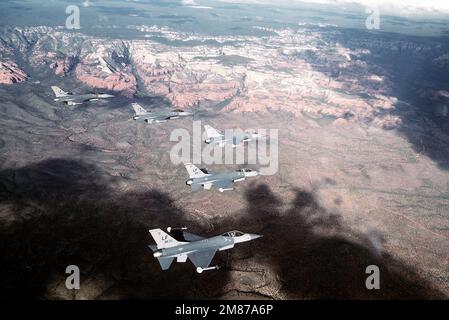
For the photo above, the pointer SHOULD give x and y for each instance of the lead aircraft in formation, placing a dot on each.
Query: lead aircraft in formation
(198, 249)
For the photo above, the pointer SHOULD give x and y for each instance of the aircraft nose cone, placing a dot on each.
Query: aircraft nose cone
(253, 236)
(157, 254)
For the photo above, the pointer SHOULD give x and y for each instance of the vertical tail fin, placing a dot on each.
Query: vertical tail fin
(59, 92)
(194, 171)
(138, 109)
(211, 132)
(163, 240)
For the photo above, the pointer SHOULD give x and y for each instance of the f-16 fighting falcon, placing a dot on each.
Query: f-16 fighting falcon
(201, 178)
(74, 99)
(214, 136)
(198, 249)
(161, 116)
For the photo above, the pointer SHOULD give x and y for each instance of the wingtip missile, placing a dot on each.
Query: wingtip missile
(200, 270)
(170, 229)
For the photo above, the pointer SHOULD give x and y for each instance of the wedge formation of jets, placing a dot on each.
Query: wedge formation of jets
(186, 245)
(198, 249)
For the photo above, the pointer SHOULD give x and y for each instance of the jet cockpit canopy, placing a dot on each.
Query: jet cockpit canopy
(233, 234)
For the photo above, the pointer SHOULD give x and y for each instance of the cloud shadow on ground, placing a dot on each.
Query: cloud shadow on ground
(67, 213)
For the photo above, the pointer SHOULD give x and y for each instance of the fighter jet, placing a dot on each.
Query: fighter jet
(201, 178)
(198, 249)
(74, 99)
(161, 116)
(214, 136)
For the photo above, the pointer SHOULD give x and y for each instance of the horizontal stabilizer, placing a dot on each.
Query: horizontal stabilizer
(207, 186)
(165, 262)
(196, 187)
